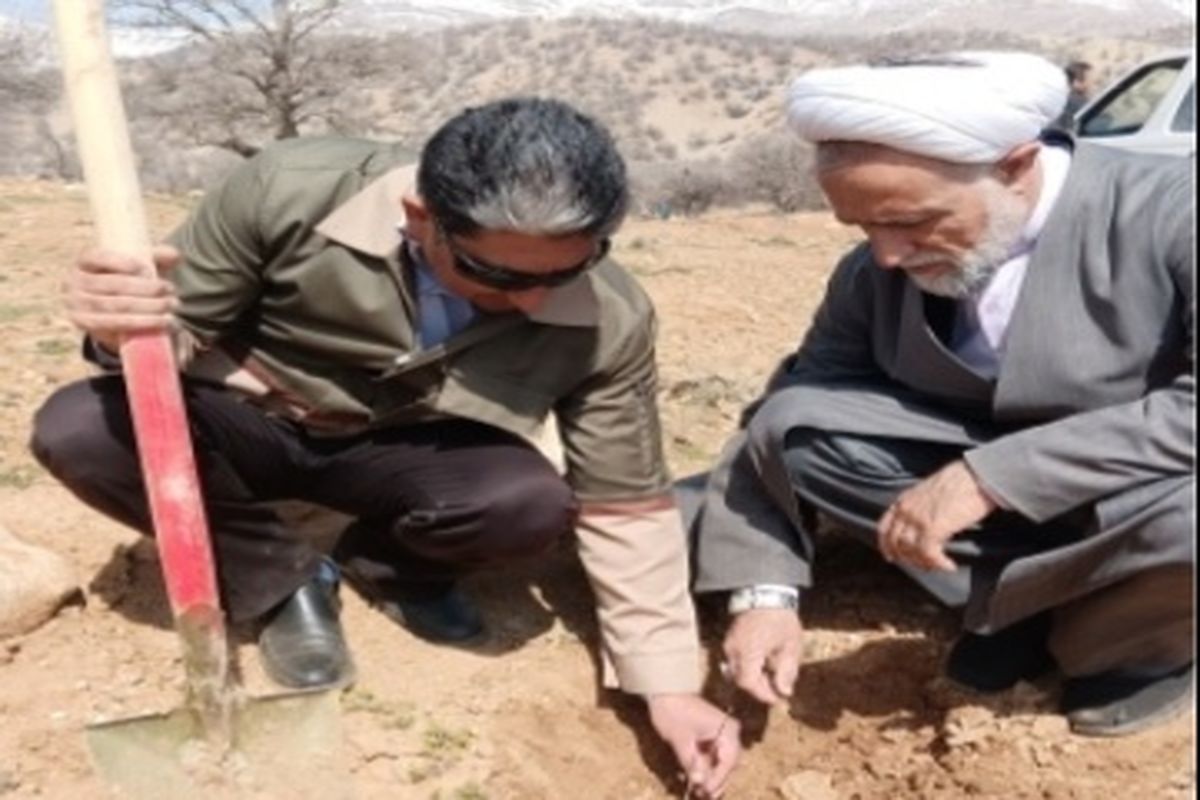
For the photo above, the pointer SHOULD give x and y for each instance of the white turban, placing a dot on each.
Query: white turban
(969, 107)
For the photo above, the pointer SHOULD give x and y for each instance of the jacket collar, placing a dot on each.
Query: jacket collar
(371, 220)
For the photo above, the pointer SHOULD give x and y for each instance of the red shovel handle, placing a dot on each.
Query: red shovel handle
(165, 449)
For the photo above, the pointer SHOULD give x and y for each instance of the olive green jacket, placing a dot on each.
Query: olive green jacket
(293, 288)
(293, 268)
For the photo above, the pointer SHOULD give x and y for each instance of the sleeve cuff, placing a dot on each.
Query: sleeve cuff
(653, 673)
(992, 468)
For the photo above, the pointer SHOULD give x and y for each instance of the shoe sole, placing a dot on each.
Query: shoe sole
(344, 682)
(1160, 716)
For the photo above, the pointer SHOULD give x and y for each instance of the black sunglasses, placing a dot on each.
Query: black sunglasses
(506, 279)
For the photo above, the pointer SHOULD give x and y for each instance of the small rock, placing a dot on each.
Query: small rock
(8, 782)
(808, 785)
(34, 584)
(130, 676)
(1184, 781)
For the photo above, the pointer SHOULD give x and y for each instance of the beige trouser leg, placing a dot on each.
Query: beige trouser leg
(1143, 624)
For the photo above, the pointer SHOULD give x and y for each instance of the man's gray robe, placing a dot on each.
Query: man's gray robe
(1093, 408)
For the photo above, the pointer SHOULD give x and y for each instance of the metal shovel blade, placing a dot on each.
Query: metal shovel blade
(282, 746)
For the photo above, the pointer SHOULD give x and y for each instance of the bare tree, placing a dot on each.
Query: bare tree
(257, 73)
(29, 91)
(20, 83)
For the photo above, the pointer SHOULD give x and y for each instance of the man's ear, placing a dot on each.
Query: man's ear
(417, 219)
(1017, 165)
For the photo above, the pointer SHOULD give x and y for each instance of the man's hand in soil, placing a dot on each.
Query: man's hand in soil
(762, 649)
(922, 519)
(704, 739)
(109, 294)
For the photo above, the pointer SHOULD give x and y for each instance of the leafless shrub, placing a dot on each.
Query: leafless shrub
(692, 189)
(775, 168)
(666, 151)
(28, 97)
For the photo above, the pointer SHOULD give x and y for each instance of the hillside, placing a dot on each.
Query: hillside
(675, 95)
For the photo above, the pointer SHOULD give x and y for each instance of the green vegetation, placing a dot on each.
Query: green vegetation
(54, 347)
(12, 313)
(21, 477)
(392, 715)
(440, 740)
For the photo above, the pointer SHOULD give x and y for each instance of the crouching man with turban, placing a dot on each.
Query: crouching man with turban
(997, 392)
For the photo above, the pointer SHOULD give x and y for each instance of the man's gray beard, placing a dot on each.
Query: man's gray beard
(974, 269)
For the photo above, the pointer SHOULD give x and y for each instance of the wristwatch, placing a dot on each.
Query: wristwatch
(772, 596)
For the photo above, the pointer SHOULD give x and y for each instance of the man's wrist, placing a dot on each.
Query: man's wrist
(989, 495)
(667, 696)
(764, 595)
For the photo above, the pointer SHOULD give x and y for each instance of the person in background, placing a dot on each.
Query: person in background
(1079, 91)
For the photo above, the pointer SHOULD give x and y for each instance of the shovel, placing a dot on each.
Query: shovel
(220, 743)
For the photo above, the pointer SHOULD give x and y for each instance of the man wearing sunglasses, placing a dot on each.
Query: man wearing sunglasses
(389, 350)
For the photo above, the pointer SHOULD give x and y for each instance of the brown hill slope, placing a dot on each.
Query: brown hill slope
(672, 94)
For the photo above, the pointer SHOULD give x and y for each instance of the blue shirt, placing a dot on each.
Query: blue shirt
(442, 313)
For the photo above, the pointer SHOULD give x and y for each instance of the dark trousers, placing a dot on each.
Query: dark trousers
(1144, 622)
(855, 479)
(431, 501)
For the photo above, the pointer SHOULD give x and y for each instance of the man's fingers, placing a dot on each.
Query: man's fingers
(933, 557)
(714, 760)
(118, 285)
(104, 305)
(888, 530)
(881, 534)
(103, 324)
(722, 757)
(166, 258)
(749, 673)
(785, 668)
(117, 314)
(107, 262)
(111, 294)
(752, 679)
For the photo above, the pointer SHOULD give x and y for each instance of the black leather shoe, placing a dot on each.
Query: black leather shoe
(1116, 704)
(998, 661)
(438, 612)
(301, 644)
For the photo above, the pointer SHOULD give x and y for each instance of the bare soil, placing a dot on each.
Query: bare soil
(522, 717)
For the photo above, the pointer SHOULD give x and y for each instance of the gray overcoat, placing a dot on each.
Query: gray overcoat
(1093, 407)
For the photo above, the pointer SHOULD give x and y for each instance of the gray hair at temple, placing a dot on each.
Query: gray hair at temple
(838, 154)
(529, 165)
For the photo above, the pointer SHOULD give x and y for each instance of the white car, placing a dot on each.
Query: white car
(1151, 108)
